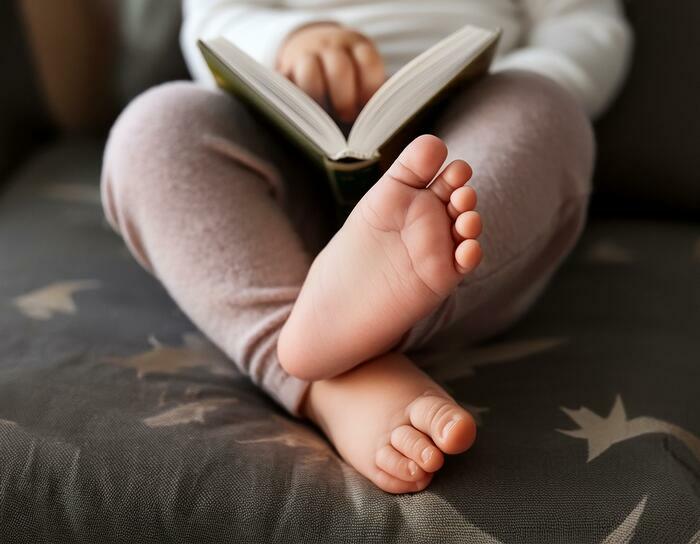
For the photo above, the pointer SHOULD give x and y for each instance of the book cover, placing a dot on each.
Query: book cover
(349, 178)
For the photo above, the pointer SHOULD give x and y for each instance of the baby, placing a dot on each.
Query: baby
(229, 219)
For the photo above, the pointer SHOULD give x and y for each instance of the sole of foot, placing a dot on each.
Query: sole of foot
(401, 252)
(391, 422)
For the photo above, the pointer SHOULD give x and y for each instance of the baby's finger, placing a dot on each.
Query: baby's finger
(308, 75)
(371, 69)
(339, 70)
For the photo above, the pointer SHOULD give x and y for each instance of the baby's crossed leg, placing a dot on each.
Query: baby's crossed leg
(184, 183)
(173, 161)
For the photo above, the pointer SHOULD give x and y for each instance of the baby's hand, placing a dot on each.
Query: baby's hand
(328, 60)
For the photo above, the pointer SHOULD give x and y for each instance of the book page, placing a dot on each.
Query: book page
(414, 85)
(295, 106)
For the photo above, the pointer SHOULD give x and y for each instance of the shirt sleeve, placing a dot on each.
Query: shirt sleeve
(258, 28)
(584, 45)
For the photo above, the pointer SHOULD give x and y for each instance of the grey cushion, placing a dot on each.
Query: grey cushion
(148, 53)
(22, 115)
(149, 48)
(120, 423)
(648, 142)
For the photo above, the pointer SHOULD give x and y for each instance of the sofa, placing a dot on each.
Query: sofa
(120, 422)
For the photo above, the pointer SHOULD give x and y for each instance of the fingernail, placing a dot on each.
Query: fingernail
(427, 454)
(412, 468)
(448, 427)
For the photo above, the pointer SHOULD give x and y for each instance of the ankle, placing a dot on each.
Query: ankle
(312, 407)
(288, 355)
(307, 406)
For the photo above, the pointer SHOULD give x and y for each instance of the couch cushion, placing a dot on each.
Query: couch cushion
(648, 142)
(120, 423)
(23, 119)
(149, 47)
(148, 53)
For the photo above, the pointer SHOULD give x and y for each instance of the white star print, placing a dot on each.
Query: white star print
(56, 298)
(603, 432)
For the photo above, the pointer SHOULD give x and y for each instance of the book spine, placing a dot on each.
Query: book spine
(350, 181)
(229, 81)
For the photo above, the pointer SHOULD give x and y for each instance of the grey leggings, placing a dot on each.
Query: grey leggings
(229, 218)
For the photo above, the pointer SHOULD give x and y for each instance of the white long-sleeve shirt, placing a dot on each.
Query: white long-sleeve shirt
(584, 45)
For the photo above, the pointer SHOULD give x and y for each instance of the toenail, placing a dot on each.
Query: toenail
(412, 468)
(448, 427)
(427, 454)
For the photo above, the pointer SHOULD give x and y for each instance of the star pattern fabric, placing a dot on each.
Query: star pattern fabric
(609, 252)
(163, 359)
(117, 419)
(56, 298)
(602, 433)
(294, 436)
(74, 192)
(192, 412)
(462, 364)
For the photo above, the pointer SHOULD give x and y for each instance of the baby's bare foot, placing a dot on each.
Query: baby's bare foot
(390, 421)
(402, 250)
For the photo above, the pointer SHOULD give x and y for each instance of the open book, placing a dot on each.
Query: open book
(353, 163)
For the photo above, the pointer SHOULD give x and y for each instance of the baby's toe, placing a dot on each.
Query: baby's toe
(462, 200)
(468, 225)
(454, 176)
(451, 428)
(392, 484)
(418, 162)
(416, 446)
(397, 465)
(467, 256)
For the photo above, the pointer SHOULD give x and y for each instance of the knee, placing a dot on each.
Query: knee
(152, 130)
(549, 116)
(164, 117)
(164, 130)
